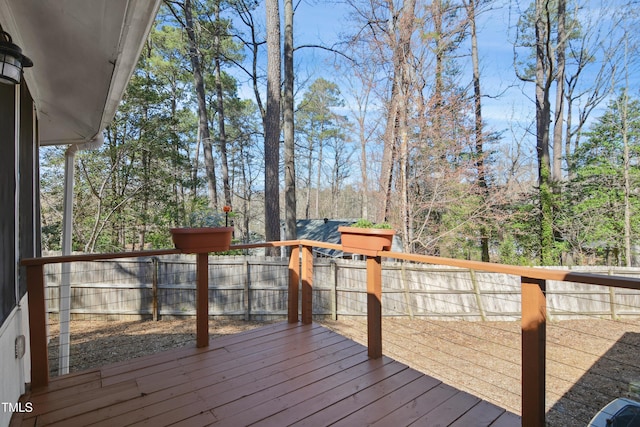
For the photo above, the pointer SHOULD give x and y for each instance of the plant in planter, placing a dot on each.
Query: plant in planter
(205, 233)
(365, 237)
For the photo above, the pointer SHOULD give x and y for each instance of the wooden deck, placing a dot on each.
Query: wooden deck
(277, 375)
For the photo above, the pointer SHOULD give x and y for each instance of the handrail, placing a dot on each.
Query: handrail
(95, 257)
(140, 254)
(533, 300)
(531, 272)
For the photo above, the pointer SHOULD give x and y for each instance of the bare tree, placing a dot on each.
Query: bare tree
(558, 122)
(272, 127)
(543, 80)
(396, 131)
(541, 17)
(244, 9)
(362, 86)
(289, 138)
(565, 45)
(222, 134)
(590, 72)
(340, 152)
(479, 125)
(623, 108)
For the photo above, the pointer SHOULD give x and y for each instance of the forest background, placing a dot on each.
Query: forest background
(225, 110)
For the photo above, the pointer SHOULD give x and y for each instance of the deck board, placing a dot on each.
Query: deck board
(416, 408)
(480, 415)
(280, 374)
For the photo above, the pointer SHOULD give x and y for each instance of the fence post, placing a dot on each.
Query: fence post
(334, 289)
(294, 284)
(612, 299)
(407, 290)
(154, 285)
(374, 306)
(37, 327)
(534, 313)
(247, 291)
(307, 284)
(202, 299)
(478, 294)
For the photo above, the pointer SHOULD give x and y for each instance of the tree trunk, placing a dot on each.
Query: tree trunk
(567, 142)
(246, 199)
(479, 136)
(404, 180)
(272, 128)
(307, 208)
(401, 55)
(559, 113)
(222, 134)
(364, 213)
(543, 118)
(627, 182)
(289, 142)
(388, 156)
(624, 113)
(438, 91)
(203, 124)
(319, 179)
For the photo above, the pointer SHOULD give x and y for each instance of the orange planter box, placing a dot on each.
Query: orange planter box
(366, 241)
(202, 240)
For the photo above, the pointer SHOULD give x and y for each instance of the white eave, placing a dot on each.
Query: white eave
(84, 52)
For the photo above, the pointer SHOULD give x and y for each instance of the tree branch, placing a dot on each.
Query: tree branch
(329, 49)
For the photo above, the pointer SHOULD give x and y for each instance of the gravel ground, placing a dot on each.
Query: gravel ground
(589, 362)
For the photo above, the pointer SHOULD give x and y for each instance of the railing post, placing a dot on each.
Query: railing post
(534, 314)
(202, 300)
(37, 326)
(374, 306)
(294, 284)
(307, 284)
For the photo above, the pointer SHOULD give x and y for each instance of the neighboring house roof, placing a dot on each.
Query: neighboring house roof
(324, 230)
(84, 53)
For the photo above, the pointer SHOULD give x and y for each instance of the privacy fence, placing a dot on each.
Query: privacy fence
(255, 288)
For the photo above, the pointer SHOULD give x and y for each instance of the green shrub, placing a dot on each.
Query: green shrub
(365, 223)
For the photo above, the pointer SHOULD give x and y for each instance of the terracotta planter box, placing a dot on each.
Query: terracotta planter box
(366, 241)
(201, 240)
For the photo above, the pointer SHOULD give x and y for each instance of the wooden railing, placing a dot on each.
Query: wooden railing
(533, 297)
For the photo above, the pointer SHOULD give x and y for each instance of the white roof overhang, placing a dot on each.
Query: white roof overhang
(84, 53)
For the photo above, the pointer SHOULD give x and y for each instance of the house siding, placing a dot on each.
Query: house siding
(7, 200)
(20, 204)
(19, 234)
(15, 372)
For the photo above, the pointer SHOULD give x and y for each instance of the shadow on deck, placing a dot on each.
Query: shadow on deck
(280, 374)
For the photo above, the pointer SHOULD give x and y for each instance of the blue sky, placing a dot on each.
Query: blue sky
(321, 22)
(508, 103)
